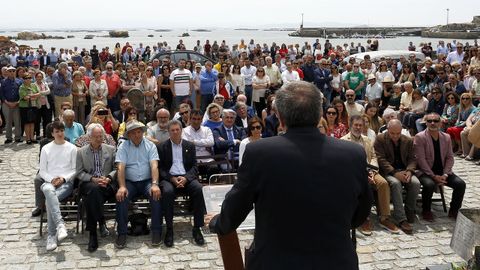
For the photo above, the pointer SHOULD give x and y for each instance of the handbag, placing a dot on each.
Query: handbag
(474, 134)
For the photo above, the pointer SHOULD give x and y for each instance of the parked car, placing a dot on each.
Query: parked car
(393, 54)
(183, 54)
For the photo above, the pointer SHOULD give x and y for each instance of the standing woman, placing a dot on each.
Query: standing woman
(164, 86)
(148, 85)
(238, 81)
(117, 52)
(79, 93)
(260, 83)
(336, 82)
(28, 105)
(254, 132)
(98, 88)
(383, 72)
(45, 109)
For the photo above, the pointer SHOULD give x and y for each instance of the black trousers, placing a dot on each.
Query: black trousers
(453, 181)
(45, 116)
(192, 189)
(94, 197)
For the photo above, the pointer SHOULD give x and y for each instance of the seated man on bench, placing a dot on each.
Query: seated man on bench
(137, 174)
(57, 170)
(96, 172)
(178, 170)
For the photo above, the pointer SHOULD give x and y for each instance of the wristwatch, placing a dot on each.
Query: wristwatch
(155, 183)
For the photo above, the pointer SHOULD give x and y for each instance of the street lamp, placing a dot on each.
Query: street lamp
(447, 14)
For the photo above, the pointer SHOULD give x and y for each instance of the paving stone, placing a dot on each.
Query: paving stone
(387, 247)
(207, 256)
(384, 266)
(199, 265)
(134, 261)
(383, 256)
(159, 259)
(109, 263)
(87, 264)
(407, 254)
(181, 258)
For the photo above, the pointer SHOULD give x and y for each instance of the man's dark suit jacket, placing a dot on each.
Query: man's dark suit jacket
(119, 116)
(221, 147)
(384, 149)
(306, 200)
(239, 123)
(42, 59)
(166, 160)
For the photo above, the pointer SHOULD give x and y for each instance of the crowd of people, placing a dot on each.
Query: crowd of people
(411, 117)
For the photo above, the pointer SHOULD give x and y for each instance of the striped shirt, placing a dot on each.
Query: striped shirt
(181, 80)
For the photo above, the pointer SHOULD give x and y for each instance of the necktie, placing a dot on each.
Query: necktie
(230, 134)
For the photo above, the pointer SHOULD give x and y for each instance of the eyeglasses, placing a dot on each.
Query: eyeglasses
(109, 68)
(256, 127)
(436, 93)
(229, 117)
(216, 111)
(132, 113)
(349, 95)
(433, 121)
(182, 113)
(332, 113)
(451, 98)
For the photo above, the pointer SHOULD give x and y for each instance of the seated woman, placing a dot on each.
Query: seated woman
(466, 108)
(131, 113)
(341, 110)
(375, 121)
(469, 150)
(394, 101)
(450, 112)
(334, 127)
(254, 132)
(367, 131)
(419, 107)
(104, 117)
(214, 112)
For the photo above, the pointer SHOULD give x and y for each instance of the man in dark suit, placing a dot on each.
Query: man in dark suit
(44, 60)
(228, 136)
(178, 171)
(296, 181)
(242, 118)
(97, 176)
(120, 114)
(322, 80)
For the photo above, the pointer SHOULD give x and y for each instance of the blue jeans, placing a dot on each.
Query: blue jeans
(53, 196)
(179, 100)
(136, 189)
(205, 101)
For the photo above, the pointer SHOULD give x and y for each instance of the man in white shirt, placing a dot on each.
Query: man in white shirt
(58, 170)
(406, 98)
(352, 107)
(373, 92)
(248, 71)
(290, 75)
(158, 133)
(457, 55)
(200, 136)
(181, 83)
(273, 73)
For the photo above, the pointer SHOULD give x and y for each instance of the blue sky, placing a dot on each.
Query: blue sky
(237, 13)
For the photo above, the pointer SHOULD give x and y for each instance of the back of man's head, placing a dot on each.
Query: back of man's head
(298, 104)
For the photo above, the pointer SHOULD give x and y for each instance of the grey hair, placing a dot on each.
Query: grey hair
(230, 111)
(299, 104)
(93, 126)
(62, 65)
(388, 111)
(68, 113)
(394, 123)
(407, 83)
(239, 105)
(173, 123)
(211, 106)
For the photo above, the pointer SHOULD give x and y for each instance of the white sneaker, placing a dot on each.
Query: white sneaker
(51, 242)
(61, 232)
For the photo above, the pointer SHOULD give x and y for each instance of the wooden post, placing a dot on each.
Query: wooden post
(231, 253)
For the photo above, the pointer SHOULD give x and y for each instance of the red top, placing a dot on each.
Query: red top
(113, 84)
(223, 91)
(338, 131)
(283, 52)
(300, 73)
(107, 125)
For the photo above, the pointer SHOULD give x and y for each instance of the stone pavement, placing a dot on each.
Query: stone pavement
(21, 247)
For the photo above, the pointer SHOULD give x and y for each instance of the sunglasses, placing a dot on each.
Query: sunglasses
(433, 121)
(349, 95)
(132, 113)
(183, 113)
(465, 98)
(332, 113)
(256, 127)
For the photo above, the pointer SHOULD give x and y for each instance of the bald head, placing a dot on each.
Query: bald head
(242, 98)
(394, 130)
(163, 115)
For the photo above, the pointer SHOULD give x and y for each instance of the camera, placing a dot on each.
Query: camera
(102, 112)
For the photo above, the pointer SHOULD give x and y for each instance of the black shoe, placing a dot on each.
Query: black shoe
(29, 142)
(198, 236)
(18, 140)
(34, 141)
(156, 239)
(104, 232)
(121, 241)
(7, 141)
(169, 238)
(410, 216)
(36, 212)
(92, 242)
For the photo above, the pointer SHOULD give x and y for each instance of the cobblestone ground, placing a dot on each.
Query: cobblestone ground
(21, 246)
